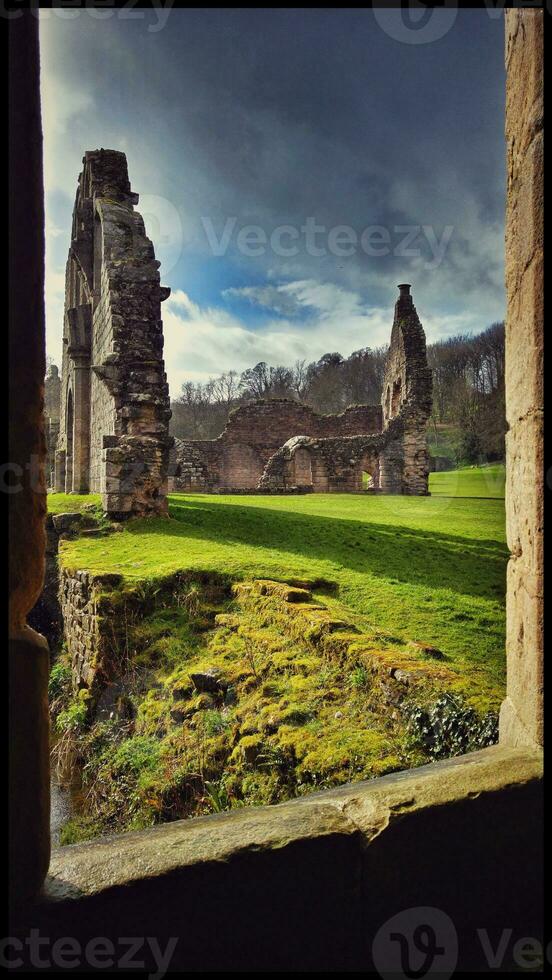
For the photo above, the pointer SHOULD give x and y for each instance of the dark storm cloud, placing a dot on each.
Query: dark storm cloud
(272, 116)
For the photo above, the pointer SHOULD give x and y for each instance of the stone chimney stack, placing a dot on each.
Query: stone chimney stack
(404, 301)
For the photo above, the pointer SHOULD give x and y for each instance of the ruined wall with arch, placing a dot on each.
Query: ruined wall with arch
(114, 437)
(237, 459)
(281, 446)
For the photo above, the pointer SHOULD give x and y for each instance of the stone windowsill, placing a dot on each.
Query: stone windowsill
(365, 809)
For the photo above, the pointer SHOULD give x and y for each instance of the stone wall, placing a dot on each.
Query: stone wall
(114, 436)
(317, 884)
(522, 711)
(89, 627)
(52, 393)
(236, 460)
(27, 711)
(396, 457)
(102, 402)
(334, 465)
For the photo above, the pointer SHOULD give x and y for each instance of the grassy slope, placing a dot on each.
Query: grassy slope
(473, 481)
(442, 439)
(427, 569)
(70, 503)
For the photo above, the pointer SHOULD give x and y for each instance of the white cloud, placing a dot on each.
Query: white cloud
(203, 341)
(54, 297)
(290, 299)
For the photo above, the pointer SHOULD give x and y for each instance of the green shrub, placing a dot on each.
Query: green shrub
(135, 755)
(359, 678)
(450, 727)
(60, 680)
(74, 717)
(214, 722)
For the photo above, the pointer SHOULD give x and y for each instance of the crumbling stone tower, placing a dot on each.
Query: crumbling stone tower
(115, 409)
(406, 403)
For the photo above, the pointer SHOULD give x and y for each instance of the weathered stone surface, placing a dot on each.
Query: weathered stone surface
(364, 807)
(52, 398)
(115, 409)
(29, 778)
(90, 638)
(354, 857)
(67, 522)
(521, 718)
(254, 432)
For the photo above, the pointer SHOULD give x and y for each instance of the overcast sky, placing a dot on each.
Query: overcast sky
(293, 166)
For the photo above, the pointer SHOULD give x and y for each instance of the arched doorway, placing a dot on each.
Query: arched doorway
(369, 473)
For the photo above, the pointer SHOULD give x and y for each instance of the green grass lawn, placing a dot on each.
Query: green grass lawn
(428, 569)
(473, 481)
(70, 503)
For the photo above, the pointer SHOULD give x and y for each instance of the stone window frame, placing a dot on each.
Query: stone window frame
(396, 397)
(94, 869)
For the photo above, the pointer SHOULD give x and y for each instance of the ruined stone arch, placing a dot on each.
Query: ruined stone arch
(369, 464)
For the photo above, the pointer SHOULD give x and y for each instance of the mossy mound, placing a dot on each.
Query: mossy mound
(247, 698)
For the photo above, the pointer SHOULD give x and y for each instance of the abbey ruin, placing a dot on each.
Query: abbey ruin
(114, 411)
(306, 885)
(283, 446)
(114, 418)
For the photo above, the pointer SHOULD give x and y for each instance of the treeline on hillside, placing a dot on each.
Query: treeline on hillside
(468, 391)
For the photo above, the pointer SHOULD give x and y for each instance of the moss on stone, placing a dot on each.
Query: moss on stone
(285, 709)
